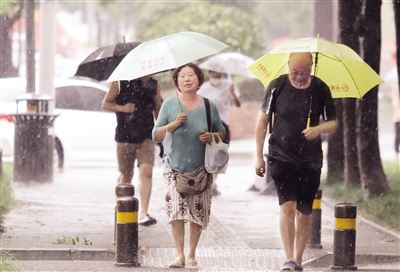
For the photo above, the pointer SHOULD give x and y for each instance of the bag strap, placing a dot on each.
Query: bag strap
(208, 112)
(279, 83)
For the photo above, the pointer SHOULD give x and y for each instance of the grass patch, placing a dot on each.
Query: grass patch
(5, 264)
(7, 201)
(73, 241)
(383, 210)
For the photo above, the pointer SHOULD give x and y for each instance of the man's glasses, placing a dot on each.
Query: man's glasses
(298, 74)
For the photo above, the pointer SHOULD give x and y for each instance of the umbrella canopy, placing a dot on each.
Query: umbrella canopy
(231, 63)
(165, 53)
(342, 69)
(101, 63)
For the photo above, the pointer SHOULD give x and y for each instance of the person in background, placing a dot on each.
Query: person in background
(185, 117)
(136, 104)
(224, 93)
(295, 153)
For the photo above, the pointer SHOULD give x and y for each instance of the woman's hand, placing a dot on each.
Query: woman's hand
(206, 137)
(180, 118)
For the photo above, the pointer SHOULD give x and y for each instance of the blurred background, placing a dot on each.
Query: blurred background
(252, 28)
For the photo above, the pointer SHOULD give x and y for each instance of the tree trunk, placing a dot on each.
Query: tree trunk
(373, 178)
(396, 7)
(323, 20)
(6, 68)
(335, 148)
(349, 10)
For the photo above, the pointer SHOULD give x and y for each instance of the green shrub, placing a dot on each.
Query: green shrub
(7, 201)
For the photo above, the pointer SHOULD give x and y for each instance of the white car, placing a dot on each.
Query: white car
(84, 132)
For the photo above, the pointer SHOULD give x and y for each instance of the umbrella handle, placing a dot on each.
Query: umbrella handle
(309, 113)
(176, 90)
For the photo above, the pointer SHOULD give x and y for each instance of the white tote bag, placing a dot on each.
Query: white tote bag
(216, 157)
(167, 142)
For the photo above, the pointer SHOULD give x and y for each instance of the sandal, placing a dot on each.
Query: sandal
(191, 264)
(147, 221)
(177, 263)
(289, 265)
(298, 268)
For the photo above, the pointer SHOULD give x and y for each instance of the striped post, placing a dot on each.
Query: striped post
(344, 239)
(314, 241)
(122, 189)
(127, 242)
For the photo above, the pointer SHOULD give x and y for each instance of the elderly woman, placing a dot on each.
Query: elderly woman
(184, 116)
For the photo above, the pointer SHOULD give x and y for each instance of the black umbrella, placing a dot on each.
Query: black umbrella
(101, 63)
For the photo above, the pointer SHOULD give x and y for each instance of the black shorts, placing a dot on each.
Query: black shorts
(294, 183)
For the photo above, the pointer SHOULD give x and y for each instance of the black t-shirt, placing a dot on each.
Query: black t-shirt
(291, 107)
(135, 127)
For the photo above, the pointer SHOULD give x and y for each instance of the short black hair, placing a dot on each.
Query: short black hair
(196, 70)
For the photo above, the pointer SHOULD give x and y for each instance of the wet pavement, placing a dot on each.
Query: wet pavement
(243, 233)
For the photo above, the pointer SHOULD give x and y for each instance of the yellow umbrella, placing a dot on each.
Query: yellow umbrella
(342, 69)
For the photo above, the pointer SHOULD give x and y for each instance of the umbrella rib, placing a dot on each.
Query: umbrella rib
(329, 57)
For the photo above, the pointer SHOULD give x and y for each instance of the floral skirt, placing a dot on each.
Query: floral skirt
(193, 208)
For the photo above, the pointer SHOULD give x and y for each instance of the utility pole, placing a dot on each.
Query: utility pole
(30, 45)
(48, 23)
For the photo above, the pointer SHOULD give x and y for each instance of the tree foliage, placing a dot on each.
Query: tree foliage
(292, 19)
(10, 12)
(227, 24)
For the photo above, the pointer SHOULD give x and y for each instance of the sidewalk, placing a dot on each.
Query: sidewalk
(243, 234)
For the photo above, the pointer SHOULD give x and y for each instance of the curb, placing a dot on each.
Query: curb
(360, 259)
(60, 254)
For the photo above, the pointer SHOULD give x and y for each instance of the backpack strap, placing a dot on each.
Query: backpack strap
(276, 89)
(208, 112)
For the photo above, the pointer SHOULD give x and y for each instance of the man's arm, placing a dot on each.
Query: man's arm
(236, 100)
(326, 127)
(108, 101)
(261, 133)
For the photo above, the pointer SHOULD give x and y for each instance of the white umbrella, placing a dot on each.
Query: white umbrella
(231, 63)
(165, 53)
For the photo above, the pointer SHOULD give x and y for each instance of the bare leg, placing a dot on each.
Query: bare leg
(194, 237)
(303, 228)
(145, 186)
(126, 177)
(178, 232)
(287, 227)
(215, 180)
(215, 191)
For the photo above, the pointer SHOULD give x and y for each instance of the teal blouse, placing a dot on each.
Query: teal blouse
(187, 152)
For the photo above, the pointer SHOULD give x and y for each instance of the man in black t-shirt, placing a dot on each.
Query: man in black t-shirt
(295, 153)
(136, 104)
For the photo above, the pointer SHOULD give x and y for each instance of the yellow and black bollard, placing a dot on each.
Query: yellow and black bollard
(122, 189)
(344, 239)
(127, 241)
(314, 241)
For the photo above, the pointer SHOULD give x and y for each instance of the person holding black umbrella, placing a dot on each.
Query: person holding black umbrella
(136, 104)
